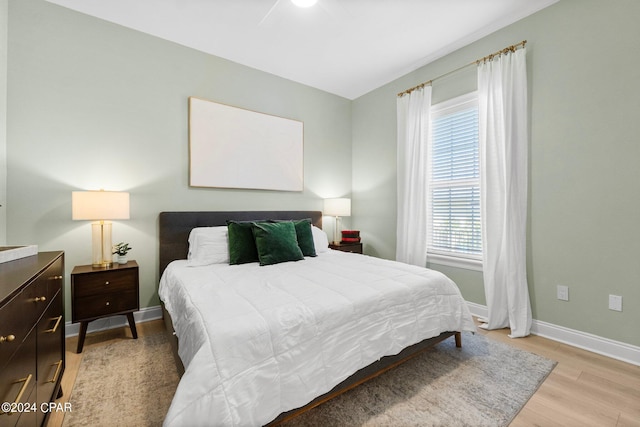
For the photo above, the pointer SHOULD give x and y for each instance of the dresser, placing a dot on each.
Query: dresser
(98, 292)
(31, 337)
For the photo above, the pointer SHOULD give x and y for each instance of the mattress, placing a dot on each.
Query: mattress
(257, 341)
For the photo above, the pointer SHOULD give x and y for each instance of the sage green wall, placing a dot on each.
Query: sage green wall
(94, 105)
(584, 209)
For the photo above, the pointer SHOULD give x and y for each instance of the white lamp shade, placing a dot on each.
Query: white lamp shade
(337, 207)
(99, 205)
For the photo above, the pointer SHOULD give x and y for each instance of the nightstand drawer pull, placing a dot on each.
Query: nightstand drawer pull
(106, 283)
(42, 298)
(107, 303)
(55, 327)
(26, 382)
(57, 277)
(55, 375)
(8, 338)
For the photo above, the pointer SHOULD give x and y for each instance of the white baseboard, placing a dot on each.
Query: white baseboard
(477, 310)
(144, 315)
(596, 344)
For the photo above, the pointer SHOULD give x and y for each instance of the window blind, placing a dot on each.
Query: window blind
(455, 224)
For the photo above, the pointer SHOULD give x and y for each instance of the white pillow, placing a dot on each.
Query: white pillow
(320, 239)
(208, 245)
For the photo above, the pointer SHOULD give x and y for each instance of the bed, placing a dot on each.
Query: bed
(257, 344)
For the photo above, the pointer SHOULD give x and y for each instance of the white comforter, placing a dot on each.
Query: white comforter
(257, 341)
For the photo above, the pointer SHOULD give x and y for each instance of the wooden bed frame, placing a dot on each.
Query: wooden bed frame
(174, 234)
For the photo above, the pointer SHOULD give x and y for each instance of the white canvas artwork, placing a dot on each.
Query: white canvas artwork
(231, 147)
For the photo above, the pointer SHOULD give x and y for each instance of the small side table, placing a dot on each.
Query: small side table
(103, 292)
(347, 247)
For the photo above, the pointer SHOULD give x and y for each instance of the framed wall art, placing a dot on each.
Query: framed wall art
(231, 147)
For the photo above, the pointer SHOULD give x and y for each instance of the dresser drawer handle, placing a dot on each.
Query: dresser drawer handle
(26, 381)
(55, 327)
(8, 338)
(43, 298)
(107, 303)
(57, 277)
(55, 375)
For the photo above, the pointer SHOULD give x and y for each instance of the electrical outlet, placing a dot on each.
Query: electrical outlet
(563, 293)
(615, 302)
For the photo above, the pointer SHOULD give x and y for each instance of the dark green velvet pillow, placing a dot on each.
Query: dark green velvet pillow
(242, 246)
(304, 236)
(276, 242)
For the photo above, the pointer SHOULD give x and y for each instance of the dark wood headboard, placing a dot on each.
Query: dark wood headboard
(176, 226)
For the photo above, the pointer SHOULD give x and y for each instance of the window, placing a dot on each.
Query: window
(454, 182)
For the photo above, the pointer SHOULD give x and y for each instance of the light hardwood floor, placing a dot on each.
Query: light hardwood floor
(584, 389)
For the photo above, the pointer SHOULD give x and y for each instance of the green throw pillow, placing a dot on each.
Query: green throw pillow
(276, 242)
(304, 236)
(242, 246)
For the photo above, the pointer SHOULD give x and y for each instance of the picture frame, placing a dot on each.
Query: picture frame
(232, 147)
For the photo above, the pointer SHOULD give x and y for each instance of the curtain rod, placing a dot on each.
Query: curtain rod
(511, 48)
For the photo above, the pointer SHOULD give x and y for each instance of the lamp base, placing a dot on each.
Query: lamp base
(336, 231)
(101, 244)
(104, 264)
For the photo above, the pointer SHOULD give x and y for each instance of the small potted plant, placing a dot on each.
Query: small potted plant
(121, 250)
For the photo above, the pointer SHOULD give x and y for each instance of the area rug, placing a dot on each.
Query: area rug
(485, 383)
(124, 383)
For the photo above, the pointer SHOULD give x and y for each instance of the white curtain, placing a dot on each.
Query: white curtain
(502, 96)
(413, 113)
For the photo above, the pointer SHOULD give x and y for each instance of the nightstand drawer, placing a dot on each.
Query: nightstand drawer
(104, 304)
(108, 282)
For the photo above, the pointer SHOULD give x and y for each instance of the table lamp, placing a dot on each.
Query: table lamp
(337, 208)
(100, 206)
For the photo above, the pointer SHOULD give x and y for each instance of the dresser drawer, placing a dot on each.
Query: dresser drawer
(39, 294)
(18, 378)
(13, 328)
(23, 311)
(50, 363)
(53, 278)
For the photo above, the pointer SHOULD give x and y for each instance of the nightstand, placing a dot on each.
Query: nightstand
(347, 247)
(102, 292)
